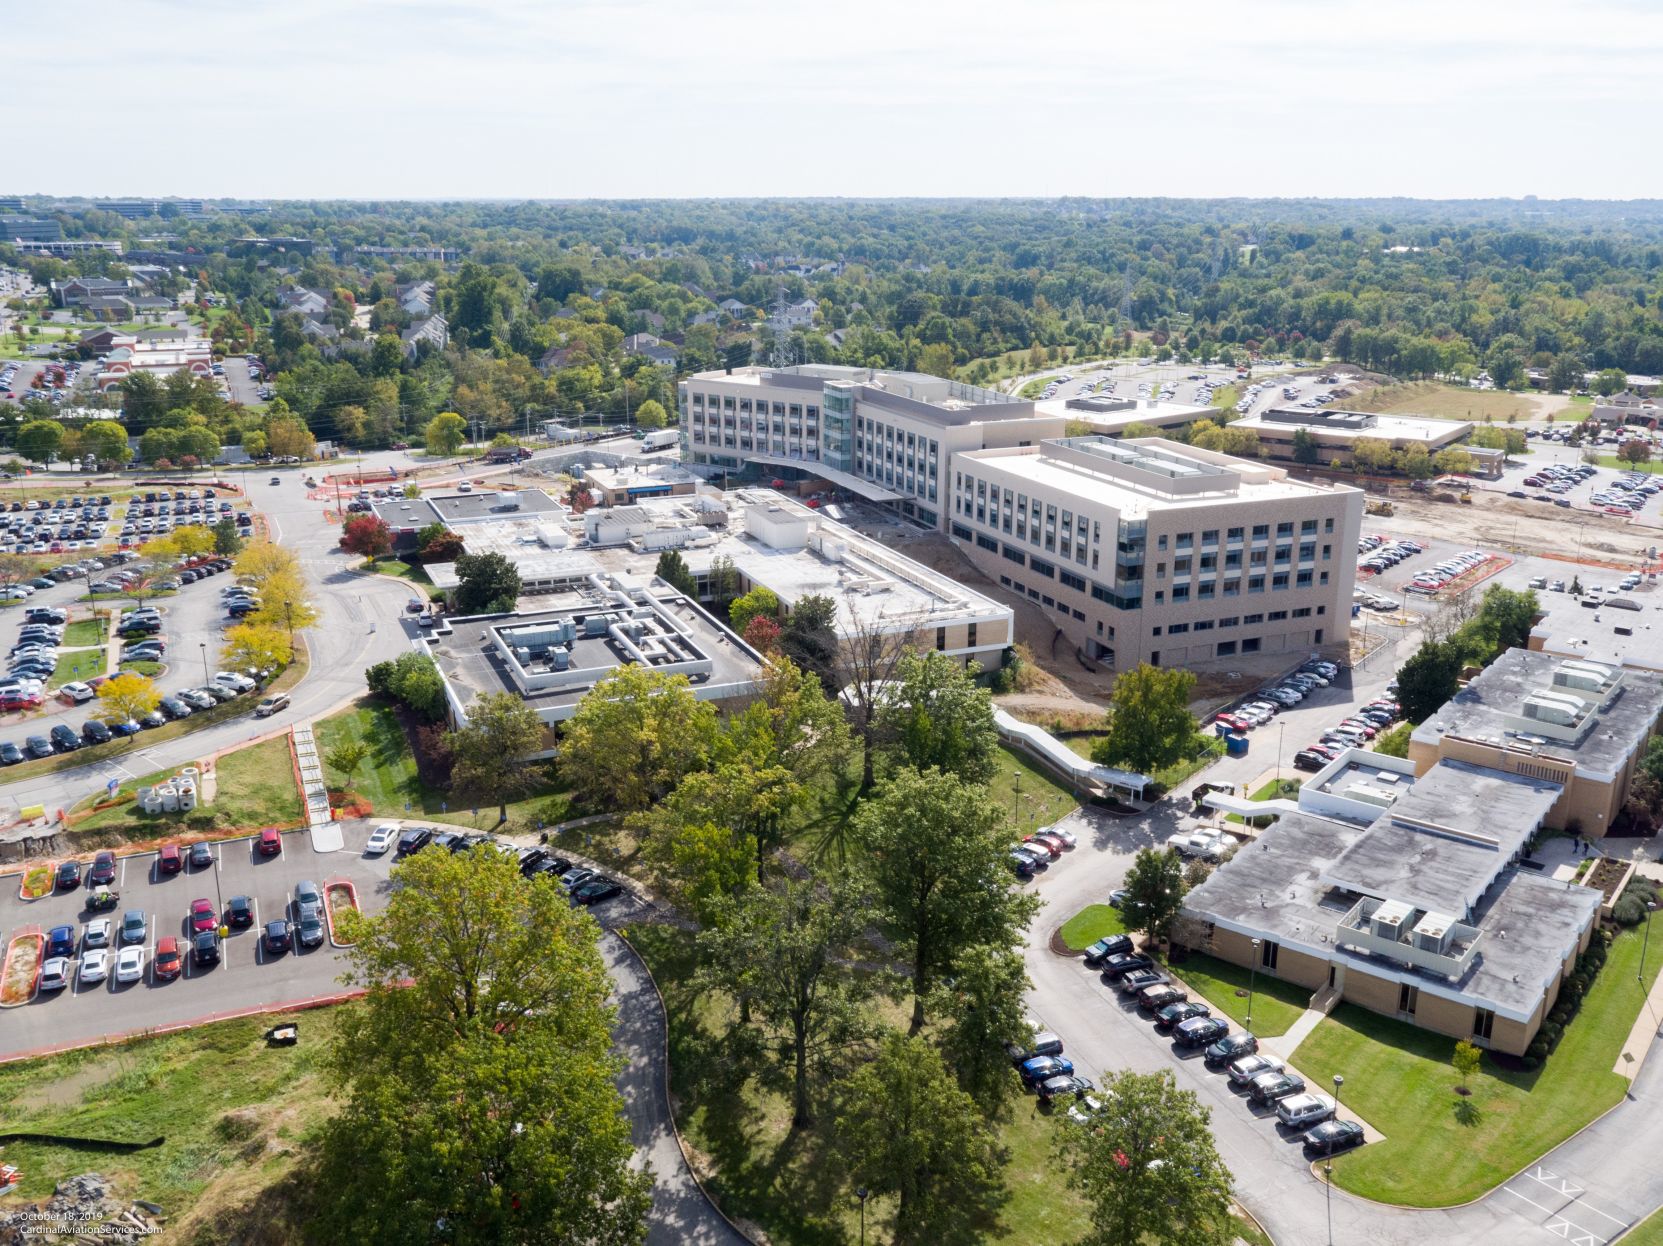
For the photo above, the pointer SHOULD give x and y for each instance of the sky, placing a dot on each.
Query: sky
(521, 99)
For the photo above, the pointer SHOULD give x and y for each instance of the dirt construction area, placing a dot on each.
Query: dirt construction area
(1497, 522)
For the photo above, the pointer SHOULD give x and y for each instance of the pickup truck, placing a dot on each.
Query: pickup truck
(1208, 845)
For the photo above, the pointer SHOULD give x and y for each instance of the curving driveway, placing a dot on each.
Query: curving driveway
(1586, 1191)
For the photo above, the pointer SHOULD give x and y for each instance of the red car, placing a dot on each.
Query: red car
(168, 860)
(203, 916)
(1052, 846)
(167, 963)
(1234, 723)
(271, 843)
(28, 701)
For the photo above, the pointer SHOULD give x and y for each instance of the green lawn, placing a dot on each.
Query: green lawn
(1032, 797)
(415, 574)
(1094, 922)
(1649, 1232)
(388, 778)
(1276, 1004)
(86, 632)
(148, 669)
(78, 664)
(1399, 1079)
(232, 1109)
(1208, 749)
(1611, 460)
(255, 787)
(1270, 791)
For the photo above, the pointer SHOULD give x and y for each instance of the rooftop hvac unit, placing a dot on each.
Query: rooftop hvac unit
(596, 624)
(1432, 932)
(1390, 918)
(559, 659)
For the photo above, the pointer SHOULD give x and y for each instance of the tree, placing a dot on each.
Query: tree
(763, 634)
(937, 846)
(1428, 679)
(633, 737)
(1452, 461)
(487, 584)
(254, 443)
(1150, 726)
(759, 602)
(346, 757)
(258, 647)
(501, 731)
(1304, 446)
(864, 670)
(228, 542)
(284, 603)
(985, 1007)
(906, 1129)
(38, 440)
(368, 536)
(810, 639)
(106, 441)
(1465, 1060)
(934, 714)
(1154, 892)
(1148, 1166)
(129, 696)
(1610, 381)
(476, 1077)
(673, 570)
(1371, 454)
(1565, 374)
(159, 444)
(786, 949)
(651, 414)
(287, 437)
(723, 581)
(444, 434)
(445, 546)
(1635, 452)
(412, 678)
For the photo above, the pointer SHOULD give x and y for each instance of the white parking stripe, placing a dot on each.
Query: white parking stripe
(1560, 1185)
(1560, 1225)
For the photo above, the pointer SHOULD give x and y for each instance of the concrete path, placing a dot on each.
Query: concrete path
(1284, 1046)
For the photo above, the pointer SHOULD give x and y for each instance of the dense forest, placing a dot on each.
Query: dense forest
(981, 289)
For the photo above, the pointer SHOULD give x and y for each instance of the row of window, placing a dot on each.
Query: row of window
(1234, 620)
(1261, 532)
(744, 406)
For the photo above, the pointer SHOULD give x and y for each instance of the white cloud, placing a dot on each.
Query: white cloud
(543, 98)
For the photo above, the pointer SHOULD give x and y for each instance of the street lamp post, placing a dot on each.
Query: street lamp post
(203, 645)
(1645, 942)
(1252, 979)
(862, 1193)
(1328, 1165)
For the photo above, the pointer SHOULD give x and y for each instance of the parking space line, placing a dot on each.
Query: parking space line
(1561, 1225)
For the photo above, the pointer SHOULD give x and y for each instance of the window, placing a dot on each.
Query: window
(1328, 525)
(1177, 629)
(1285, 528)
(1228, 620)
(1235, 534)
(1210, 537)
(1039, 567)
(1302, 580)
(1483, 1022)
(1278, 616)
(1308, 527)
(1304, 612)
(1267, 954)
(1251, 619)
(1407, 997)
(941, 638)
(1279, 581)
(1181, 592)
(1261, 532)
(960, 531)
(1015, 555)
(1155, 631)
(1251, 645)
(1256, 584)
(1226, 648)
(1204, 625)
(1070, 580)
(970, 637)
(986, 542)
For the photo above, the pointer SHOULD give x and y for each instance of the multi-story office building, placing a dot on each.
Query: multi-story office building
(1152, 551)
(884, 436)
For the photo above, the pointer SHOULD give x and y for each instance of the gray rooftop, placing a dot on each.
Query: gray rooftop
(1273, 888)
(403, 512)
(461, 507)
(1444, 841)
(1490, 706)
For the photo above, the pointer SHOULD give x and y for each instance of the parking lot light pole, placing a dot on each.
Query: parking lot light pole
(862, 1193)
(1252, 979)
(1645, 942)
(203, 645)
(1339, 1080)
(1328, 1165)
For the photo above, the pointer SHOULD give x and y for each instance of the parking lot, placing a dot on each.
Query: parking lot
(247, 975)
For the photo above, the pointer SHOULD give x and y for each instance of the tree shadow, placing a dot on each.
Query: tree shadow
(1467, 1112)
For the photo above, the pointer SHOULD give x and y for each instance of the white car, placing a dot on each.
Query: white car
(54, 974)
(129, 966)
(242, 683)
(95, 966)
(381, 839)
(97, 933)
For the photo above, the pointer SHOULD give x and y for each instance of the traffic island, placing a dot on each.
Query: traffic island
(338, 897)
(21, 970)
(37, 881)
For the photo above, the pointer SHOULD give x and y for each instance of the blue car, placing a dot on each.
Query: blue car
(60, 941)
(1039, 1068)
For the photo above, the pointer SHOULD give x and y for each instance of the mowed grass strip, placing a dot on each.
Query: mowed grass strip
(1440, 1148)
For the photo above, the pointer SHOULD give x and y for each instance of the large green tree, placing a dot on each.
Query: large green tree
(937, 848)
(1150, 725)
(38, 440)
(907, 1130)
(445, 433)
(491, 749)
(633, 737)
(810, 639)
(1429, 678)
(1154, 892)
(476, 1078)
(486, 584)
(1147, 1166)
(787, 948)
(984, 1007)
(934, 714)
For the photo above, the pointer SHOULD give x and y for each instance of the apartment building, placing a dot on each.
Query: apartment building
(1152, 551)
(1403, 893)
(884, 436)
(1582, 725)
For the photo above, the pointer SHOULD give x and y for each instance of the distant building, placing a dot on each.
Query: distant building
(1628, 407)
(653, 321)
(433, 331)
(795, 315)
(132, 209)
(159, 358)
(619, 486)
(417, 299)
(646, 346)
(306, 302)
(65, 247)
(1336, 434)
(80, 291)
(29, 229)
(11, 203)
(290, 246)
(443, 254)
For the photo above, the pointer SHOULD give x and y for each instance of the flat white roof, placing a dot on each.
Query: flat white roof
(1386, 427)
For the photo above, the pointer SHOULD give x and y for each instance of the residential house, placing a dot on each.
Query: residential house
(306, 302)
(796, 315)
(434, 331)
(654, 322)
(733, 307)
(417, 299)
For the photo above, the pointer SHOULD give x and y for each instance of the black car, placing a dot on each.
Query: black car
(549, 867)
(1200, 1031)
(595, 890)
(173, 707)
(1064, 1084)
(278, 937)
(450, 841)
(1333, 1136)
(38, 746)
(155, 718)
(531, 858)
(202, 856)
(1124, 962)
(64, 738)
(239, 912)
(414, 839)
(95, 732)
(205, 947)
(1112, 945)
(1232, 1047)
(69, 876)
(10, 754)
(1269, 1087)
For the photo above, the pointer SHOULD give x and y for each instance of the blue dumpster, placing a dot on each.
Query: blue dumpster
(1221, 731)
(1235, 745)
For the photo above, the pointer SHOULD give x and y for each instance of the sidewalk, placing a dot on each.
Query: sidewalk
(1647, 1026)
